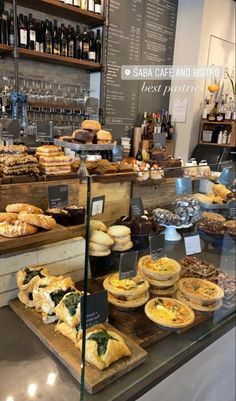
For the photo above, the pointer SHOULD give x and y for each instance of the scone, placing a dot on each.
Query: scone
(122, 247)
(96, 225)
(118, 231)
(101, 238)
(103, 347)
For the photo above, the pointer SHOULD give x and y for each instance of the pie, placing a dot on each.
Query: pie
(103, 347)
(169, 313)
(200, 291)
(199, 307)
(123, 303)
(160, 269)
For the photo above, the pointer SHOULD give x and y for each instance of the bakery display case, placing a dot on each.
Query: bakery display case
(160, 301)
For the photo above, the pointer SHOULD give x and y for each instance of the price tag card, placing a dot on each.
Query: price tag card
(128, 265)
(58, 196)
(137, 208)
(232, 209)
(159, 140)
(10, 129)
(98, 205)
(97, 309)
(184, 186)
(157, 246)
(44, 131)
(192, 244)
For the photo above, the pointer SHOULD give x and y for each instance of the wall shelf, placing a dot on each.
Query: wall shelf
(65, 11)
(51, 58)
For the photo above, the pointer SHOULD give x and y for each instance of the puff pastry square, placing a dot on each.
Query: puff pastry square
(68, 309)
(27, 278)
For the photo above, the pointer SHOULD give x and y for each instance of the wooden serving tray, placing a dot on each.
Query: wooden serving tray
(70, 356)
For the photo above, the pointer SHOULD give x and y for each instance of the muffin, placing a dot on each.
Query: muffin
(60, 215)
(76, 215)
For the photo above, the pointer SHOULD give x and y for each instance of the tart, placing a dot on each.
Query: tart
(200, 291)
(160, 269)
(124, 304)
(161, 283)
(129, 287)
(169, 313)
(199, 307)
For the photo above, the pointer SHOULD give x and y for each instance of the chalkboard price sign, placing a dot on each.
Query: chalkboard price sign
(44, 131)
(128, 265)
(9, 129)
(232, 209)
(157, 246)
(97, 309)
(58, 196)
(137, 208)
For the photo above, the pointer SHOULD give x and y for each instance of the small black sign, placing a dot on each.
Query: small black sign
(159, 140)
(44, 131)
(157, 246)
(97, 309)
(98, 205)
(128, 265)
(232, 209)
(10, 129)
(58, 196)
(137, 208)
(184, 186)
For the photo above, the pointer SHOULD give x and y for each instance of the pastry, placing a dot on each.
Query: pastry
(213, 216)
(131, 303)
(23, 207)
(68, 309)
(37, 220)
(97, 247)
(160, 269)
(169, 313)
(96, 225)
(8, 217)
(127, 289)
(16, 229)
(103, 347)
(221, 190)
(162, 284)
(55, 170)
(28, 277)
(212, 227)
(49, 150)
(200, 291)
(104, 136)
(192, 265)
(39, 287)
(187, 208)
(72, 333)
(163, 292)
(26, 298)
(122, 247)
(13, 149)
(118, 231)
(99, 237)
(122, 241)
(164, 216)
(47, 161)
(61, 216)
(91, 125)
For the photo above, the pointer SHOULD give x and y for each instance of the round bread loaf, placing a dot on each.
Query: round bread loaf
(101, 238)
(23, 207)
(91, 125)
(118, 231)
(8, 217)
(38, 220)
(83, 135)
(103, 135)
(16, 229)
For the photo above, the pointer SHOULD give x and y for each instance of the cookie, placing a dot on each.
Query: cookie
(118, 231)
(96, 225)
(99, 237)
(122, 248)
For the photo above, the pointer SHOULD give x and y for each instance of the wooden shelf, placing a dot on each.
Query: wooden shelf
(65, 11)
(224, 122)
(216, 144)
(52, 58)
(56, 106)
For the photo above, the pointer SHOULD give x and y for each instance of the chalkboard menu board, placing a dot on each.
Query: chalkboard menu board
(140, 32)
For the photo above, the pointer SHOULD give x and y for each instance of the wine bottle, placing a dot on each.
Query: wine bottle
(63, 41)
(56, 39)
(78, 44)
(91, 6)
(31, 34)
(22, 32)
(42, 37)
(84, 4)
(11, 29)
(48, 37)
(98, 6)
(170, 129)
(70, 42)
(164, 123)
(98, 48)
(85, 45)
(92, 53)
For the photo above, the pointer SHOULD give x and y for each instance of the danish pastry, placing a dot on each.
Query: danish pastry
(16, 229)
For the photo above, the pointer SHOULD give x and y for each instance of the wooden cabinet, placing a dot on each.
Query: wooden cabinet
(209, 130)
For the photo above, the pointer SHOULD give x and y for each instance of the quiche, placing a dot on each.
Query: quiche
(200, 290)
(169, 313)
(103, 347)
(123, 303)
(199, 306)
(160, 269)
(129, 287)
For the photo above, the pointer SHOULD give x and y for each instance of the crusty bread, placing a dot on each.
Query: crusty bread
(17, 229)
(83, 135)
(8, 217)
(91, 125)
(23, 207)
(103, 135)
(37, 220)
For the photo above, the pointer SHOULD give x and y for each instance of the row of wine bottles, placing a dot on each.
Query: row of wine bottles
(94, 6)
(156, 123)
(46, 36)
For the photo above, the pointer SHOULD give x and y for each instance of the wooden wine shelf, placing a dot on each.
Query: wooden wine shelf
(51, 105)
(62, 10)
(52, 58)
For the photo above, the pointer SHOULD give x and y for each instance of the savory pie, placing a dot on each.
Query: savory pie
(103, 347)
(199, 306)
(68, 309)
(160, 269)
(28, 277)
(169, 313)
(200, 290)
(165, 291)
(123, 302)
(72, 333)
(129, 287)
(161, 283)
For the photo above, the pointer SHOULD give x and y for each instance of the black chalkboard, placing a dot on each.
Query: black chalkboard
(157, 246)
(128, 264)
(58, 196)
(44, 131)
(97, 309)
(136, 205)
(9, 129)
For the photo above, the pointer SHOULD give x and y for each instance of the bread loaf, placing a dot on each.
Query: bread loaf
(91, 125)
(40, 220)
(23, 207)
(16, 229)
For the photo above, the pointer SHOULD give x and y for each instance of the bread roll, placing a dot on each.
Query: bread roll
(103, 135)
(40, 220)
(91, 125)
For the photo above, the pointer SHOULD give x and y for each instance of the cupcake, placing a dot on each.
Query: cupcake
(76, 215)
(60, 215)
